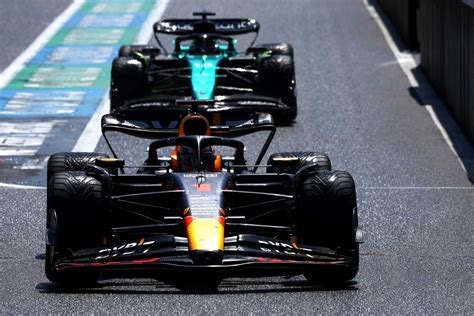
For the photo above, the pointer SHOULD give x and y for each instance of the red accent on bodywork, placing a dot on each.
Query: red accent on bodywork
(112, 263)
(273, 260)
(205, 187)
(145, 260)
(188, 220)
(221, 220)
(186, 211)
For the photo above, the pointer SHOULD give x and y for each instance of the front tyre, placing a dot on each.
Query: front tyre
(327, 217)
(75, 220)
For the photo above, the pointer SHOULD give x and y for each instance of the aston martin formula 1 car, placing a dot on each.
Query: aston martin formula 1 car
(205, 64)
(196, 211)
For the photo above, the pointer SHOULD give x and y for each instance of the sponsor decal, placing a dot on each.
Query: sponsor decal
(287, 249)
(199, 175)
(224, 25)
(140, 247)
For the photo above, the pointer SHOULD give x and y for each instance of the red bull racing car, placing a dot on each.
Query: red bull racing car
(196, 211)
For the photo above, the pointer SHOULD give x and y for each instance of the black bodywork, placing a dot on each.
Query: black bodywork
(145, 212)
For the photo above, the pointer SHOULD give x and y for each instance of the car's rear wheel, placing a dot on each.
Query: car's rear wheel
(128, 81)
(75, 220)
(129, 50)
(305, 158)
(274, 48)
(71, 161)
(327, 217)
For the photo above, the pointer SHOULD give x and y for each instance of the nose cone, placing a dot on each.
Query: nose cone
(205, 233)
(203, 257)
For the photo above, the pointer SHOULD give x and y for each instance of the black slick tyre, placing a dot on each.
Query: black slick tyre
(327, 217)
(275, 48)
(128, 81)
(129, 50)
(277, 79)
(71, 161)
(305, 158)
(75, 220)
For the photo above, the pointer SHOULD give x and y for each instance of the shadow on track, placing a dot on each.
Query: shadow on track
(425, 95)
(228, 286)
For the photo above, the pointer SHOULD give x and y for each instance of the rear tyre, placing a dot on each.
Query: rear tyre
(275, 48)
(305, 158)
(71, 161)
(128, 81)
(75, 220)
(277, 79)
(147, 50)
(327, 217)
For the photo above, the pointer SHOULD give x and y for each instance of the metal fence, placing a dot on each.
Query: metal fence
(404, 17)
(446, 31)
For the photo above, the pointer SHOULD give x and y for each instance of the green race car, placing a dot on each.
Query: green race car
(204, 65)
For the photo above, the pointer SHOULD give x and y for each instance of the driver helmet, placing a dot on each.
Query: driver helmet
(204, 46)
(185, 159)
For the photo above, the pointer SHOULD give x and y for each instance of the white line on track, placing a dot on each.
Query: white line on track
(7, 75)
(417, 188)
(19, 186)
(90, 137)
(10, 72)
(147, 29)
(408, 64)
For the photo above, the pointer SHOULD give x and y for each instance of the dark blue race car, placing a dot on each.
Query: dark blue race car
(204, 65)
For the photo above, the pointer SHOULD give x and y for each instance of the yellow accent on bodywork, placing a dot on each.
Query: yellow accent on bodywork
(205, 234)
(285, 158)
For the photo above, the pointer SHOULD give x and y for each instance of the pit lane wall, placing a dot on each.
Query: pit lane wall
(403, 14)
(445, 31)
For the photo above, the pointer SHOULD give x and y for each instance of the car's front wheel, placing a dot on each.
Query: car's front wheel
(327, 217)
(75, 220)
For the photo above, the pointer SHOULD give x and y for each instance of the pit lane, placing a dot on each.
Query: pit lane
(414, 198)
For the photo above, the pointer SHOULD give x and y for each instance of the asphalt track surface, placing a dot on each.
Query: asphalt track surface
(415, 200)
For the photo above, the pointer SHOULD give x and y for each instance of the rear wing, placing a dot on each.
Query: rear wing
(223, 26)
(227, 124)
(179, 27)
(166, 125)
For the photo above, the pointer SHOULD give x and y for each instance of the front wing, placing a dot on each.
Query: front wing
(166, 252)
